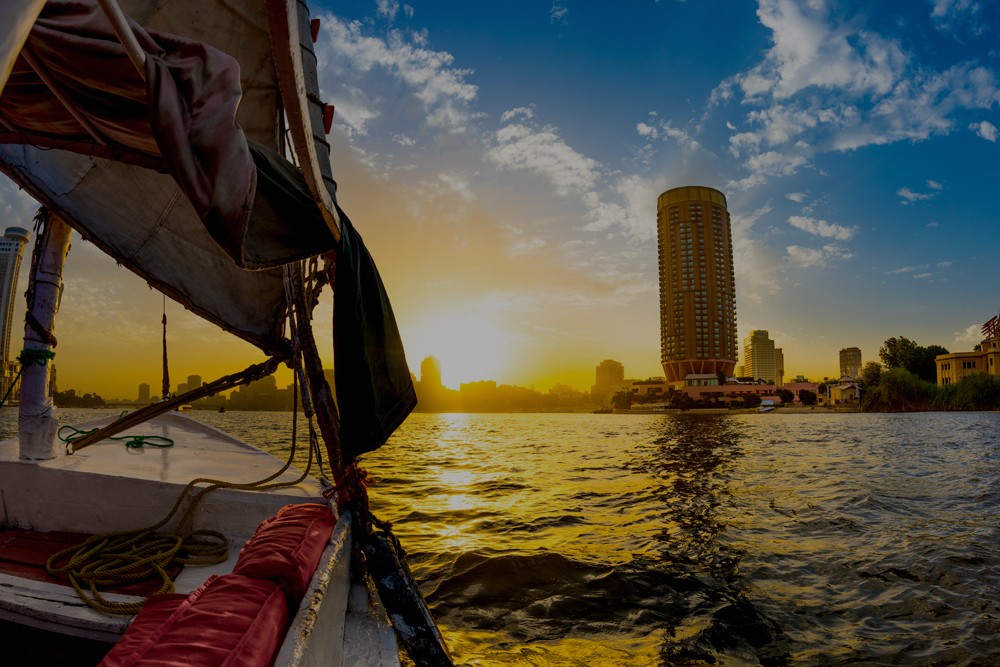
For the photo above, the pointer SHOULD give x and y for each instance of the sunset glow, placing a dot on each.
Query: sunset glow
(508, 188)
(469, 345)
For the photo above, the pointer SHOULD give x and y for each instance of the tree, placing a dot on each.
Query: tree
(899, 389)
(870, 374)
(786, 395)
(807, 397)
(904, 353)
(924, 366)
(622, 400)
(898, 352)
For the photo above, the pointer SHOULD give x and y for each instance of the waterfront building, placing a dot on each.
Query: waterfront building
(759, 356)
(985, 359)
(697, 283)
(609, 379)
(850, 362)
(11, 251)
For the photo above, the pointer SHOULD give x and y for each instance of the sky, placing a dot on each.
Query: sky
(503, 160)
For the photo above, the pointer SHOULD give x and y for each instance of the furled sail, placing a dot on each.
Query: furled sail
(170, 162)
(173, 171)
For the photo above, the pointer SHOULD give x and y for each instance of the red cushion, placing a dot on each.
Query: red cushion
(287, 547)
(229, 621)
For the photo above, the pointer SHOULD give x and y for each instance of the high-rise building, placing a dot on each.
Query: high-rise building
(697, 283)
(11, 251)
(609, 373)
(779, 367)
(430, 372)
(609, 379)
(143, 393)
(850, 362)
(759, 357)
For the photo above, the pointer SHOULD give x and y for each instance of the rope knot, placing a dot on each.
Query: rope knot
(35, 356)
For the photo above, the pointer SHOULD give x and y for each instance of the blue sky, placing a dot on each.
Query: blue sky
(502, 161)
(856, 142)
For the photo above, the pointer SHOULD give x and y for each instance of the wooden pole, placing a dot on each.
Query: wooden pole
(125, 34)
(37, 425)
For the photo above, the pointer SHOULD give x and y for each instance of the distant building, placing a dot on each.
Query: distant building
(779, 367)
(143, 393)
(430, 372)
(609, 379)
(759, 357)
(954, 367)
(11, 251)
(194, 382)
(697, 283)
(432, 395)
(850, 362)
(844, 392)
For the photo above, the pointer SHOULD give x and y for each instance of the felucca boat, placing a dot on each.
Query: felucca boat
(186, 139)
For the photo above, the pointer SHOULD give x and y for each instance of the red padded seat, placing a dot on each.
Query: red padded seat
(287, 547)
(230, 621)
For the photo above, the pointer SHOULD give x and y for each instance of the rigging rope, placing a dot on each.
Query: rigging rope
(120, 557)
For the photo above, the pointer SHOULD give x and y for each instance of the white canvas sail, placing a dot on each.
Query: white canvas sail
(91, 155)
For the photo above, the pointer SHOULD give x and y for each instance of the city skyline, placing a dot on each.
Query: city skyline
(507, 187)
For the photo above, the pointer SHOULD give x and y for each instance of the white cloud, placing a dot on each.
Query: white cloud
(804, 257)
(457, 185)
(949, 15)
(526, 113)
(910, 196)
(757, 264)
(387, 8)
(370, 70)
(908, 269)
(970, 337)
(559, 12)
(811, 50)
(933, 225)
(403, 140)
(822, 228)
(829, 83)
(801, 257)
(934, 185)
(543, 151)
(797, 197)
(985, 129)
(666, 131)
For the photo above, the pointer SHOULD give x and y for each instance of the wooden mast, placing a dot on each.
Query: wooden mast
(37, 425)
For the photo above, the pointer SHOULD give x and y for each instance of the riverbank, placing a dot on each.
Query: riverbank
(791, 410)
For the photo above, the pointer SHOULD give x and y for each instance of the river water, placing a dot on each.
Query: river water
(798, 539)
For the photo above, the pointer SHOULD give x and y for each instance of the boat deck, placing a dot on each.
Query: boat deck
(109, 487)
(24, 553)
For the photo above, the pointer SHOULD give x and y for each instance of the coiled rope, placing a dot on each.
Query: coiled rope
(131, 441)
(120, 557)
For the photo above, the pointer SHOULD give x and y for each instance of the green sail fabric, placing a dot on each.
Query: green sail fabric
(374, 388)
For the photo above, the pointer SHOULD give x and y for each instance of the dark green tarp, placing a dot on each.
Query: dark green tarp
(374, 387)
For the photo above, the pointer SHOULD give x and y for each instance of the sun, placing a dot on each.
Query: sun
(470, 345)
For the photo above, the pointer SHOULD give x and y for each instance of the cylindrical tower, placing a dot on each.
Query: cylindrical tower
(697, 283)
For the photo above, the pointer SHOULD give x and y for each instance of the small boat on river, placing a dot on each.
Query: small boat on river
(186, 140)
